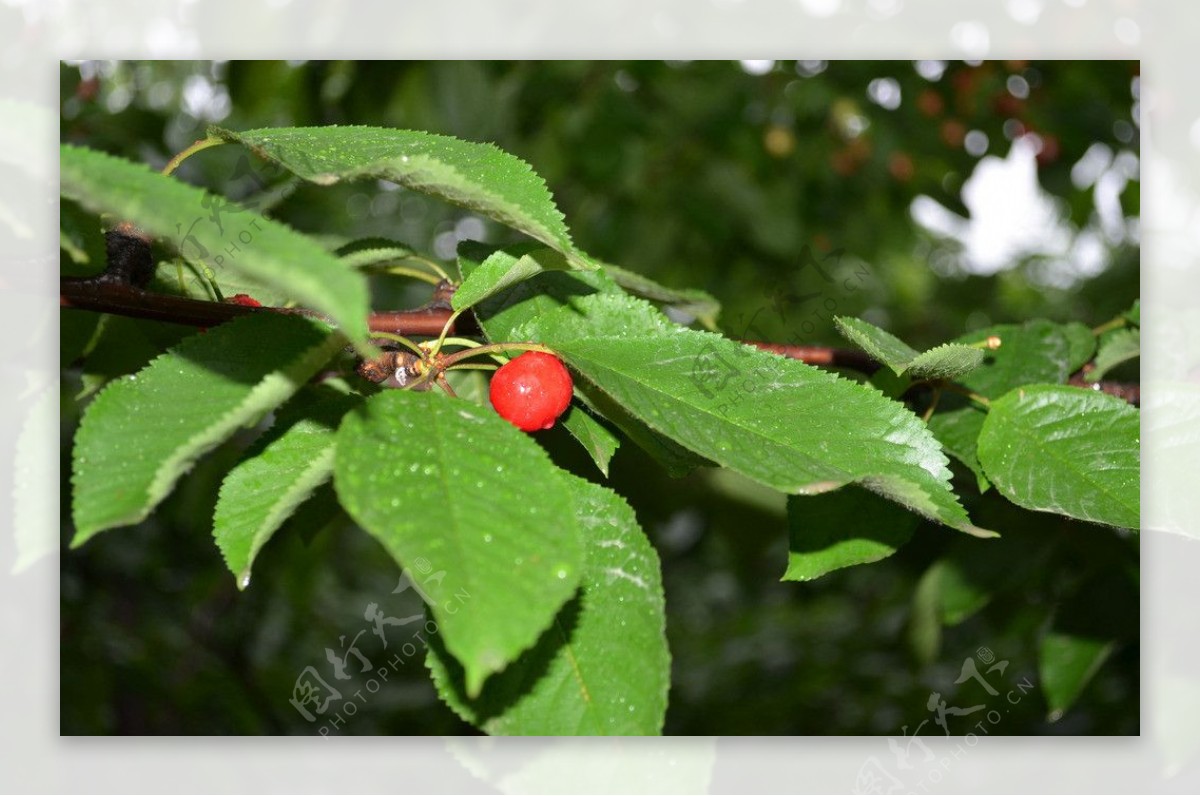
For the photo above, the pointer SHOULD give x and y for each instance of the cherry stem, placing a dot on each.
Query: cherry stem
(437, 347)
(471, 366)
(445, 385)
(462, 341)
(493, 348)
(422, 379)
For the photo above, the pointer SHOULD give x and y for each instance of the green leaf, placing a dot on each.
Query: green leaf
(959, 595)
(469, 385)
(480, 177)
(80, 235)
(1081, 345)
(958, 431)
(1134, 313)
(782, 423)
(276, 476)
(949, 361)
(1089, 624)
(677, 460)
(972, 576)
(603, 667)
(367, 252)
(76, 331)
(196, 284)
(887, 382)
(500, 271)
(1066, 450)
(451, 484)
(695, 303)
(143, 432)
(120, 346)
(880, 345)
(1067, 664)
(1037, 352)
(264, 250)
(924, 632)
(1116, 347)
(841, 529)
(502, 315)
(598, 441)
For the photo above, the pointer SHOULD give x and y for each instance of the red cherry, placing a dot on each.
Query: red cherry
(244, 300)
(531, 391)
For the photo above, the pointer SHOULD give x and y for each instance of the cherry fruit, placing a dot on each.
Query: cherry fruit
(531, 391)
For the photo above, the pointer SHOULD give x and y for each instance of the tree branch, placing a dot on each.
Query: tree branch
(822, 355)
(129, 267)
(117, 291)
(99, 294)
(1131, 393)
(858, 360)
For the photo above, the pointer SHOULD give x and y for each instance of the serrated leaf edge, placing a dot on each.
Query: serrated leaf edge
(869, 481)
(310, 284)
(521, 221)
(915, 365)
(300, 489)
(169, 471)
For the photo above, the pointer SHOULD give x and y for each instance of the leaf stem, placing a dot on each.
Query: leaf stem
(399, 270)
(202, 144)
(402, 340)
(1115, 323)
(974, 396)
(416, 258)
(933, 402)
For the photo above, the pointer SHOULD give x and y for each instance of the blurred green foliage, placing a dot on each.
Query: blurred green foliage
(786, 189)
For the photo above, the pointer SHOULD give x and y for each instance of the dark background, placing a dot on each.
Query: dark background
(716, 175)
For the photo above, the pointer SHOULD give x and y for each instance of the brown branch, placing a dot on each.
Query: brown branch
(129, 267)
(858, 360)
(821, 355)
(99, 294)
(1131, 393)
(117, 292)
